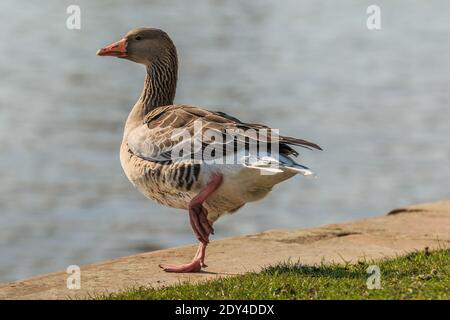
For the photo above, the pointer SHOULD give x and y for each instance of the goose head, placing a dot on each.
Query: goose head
(141, 45)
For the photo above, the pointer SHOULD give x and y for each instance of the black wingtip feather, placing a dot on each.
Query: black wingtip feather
(300, 143)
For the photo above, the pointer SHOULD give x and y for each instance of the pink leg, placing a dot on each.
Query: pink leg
(202, 227)
(198, 214)
(194, 266)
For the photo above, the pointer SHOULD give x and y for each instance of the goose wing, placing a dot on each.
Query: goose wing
(187, 132)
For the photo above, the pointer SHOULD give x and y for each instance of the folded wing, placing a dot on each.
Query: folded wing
(179, 132)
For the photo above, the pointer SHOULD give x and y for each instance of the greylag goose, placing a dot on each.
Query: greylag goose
(186, 157)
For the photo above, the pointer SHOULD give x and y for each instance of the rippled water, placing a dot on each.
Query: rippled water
(377, 101)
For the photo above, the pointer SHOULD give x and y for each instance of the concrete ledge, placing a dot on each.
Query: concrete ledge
(401, 231)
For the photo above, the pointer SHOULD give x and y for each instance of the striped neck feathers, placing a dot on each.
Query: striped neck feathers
(160, 83)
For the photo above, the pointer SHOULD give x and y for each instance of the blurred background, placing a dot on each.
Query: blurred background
(376, 101)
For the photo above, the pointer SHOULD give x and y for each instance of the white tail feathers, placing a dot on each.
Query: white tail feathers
(302, 170)
(270, 165)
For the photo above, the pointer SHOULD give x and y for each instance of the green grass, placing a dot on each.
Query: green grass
(420, 275)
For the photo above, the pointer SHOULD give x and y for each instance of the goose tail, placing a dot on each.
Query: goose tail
(271, 165)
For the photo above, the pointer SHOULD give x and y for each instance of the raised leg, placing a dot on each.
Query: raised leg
(201, 226)
(198, 215)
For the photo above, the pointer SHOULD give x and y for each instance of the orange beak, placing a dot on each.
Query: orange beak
(117, 49)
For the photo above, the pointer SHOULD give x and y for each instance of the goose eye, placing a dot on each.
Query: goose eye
(138, 38)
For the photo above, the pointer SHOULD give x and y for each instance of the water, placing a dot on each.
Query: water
(377, 101)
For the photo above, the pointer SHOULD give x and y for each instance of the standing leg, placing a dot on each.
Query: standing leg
(201, 226)
(194, 266)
